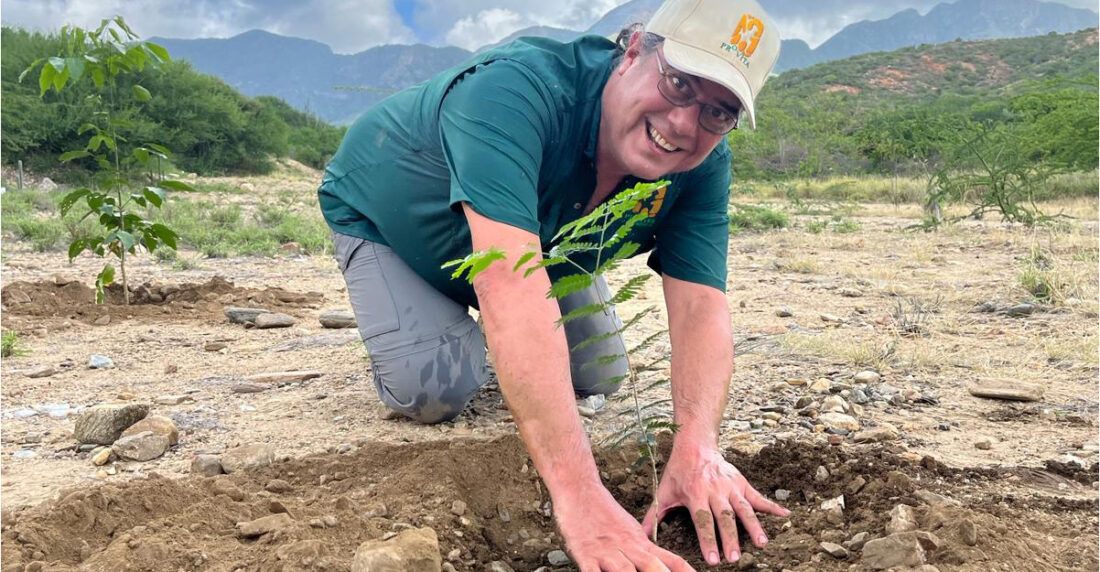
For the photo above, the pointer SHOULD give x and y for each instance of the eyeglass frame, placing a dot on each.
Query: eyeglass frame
(666, 76)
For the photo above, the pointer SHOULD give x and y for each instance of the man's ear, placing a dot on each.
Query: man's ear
(633, 52)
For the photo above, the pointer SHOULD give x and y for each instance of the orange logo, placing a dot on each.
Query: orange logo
(655, 207)
(747, 34)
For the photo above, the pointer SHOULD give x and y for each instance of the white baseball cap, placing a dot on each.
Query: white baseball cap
(730, 42)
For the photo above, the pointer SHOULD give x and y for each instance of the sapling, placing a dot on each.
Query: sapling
(593, 245)
(104, 56)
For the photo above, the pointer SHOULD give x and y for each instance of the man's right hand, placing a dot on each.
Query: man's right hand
(602, 537)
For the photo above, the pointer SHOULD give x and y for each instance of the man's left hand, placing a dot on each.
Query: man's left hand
(699, 479)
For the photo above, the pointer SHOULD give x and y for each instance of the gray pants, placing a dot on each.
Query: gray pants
(427, 352)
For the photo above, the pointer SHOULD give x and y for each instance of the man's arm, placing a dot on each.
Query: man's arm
(696, 476)
(531, 358)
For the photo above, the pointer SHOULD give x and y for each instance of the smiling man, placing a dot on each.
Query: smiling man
(503, 151)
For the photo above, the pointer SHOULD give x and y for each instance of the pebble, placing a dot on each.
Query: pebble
(214, 346)
(173, 399)
(243, 315)
(104, 423)
(821, 386)
(206, 465)
(784, 312)
(850, 292)
(247, 457)
(856, 484)
(782, 495)
(144, 446)
(264, 525)
(97, 361)
(902, 519)
(41, 371)
(984, 445)
(278, 486)
(839, 421)
(283, 377)
(880, 434)
(338, 319)
(1020, 310)
(458, 508)
(822, 474)
(866, 377)
(23, 454)
(102, 457)
(835, 550)
(834, 404)
(1007, 389)
(834, 510)
(968, 531)
(901, 549)
(248, 388)
(747, 561)
(856, 542)
(500, 566)
(273, 320)
(558, 558)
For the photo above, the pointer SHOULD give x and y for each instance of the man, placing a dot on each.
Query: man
(503, 151)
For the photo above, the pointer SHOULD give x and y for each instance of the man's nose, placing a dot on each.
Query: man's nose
(684, 120)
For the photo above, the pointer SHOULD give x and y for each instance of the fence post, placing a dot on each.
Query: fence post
(20, 179)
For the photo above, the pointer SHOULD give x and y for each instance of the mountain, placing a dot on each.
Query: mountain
(308, 75)
(559, 34)
(337, 88)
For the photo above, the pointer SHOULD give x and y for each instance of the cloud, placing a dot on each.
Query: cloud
(474, 23)
(484, 27)
(345, 25)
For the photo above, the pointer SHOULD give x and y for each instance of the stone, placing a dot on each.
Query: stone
(784, 312)
(206, 465)
(273, 320)
(899, 481)
(248, 388)
(338, 319)
(856, 485)
(838, 421)
(247, 187)
(747, 561)
(171, 368)
(822, 474)
(264, 525)
(102, 457)
(40, 371)
(831, 319)
(866, 377)
(902, 519)
(932, 499)
(895, 550)
(144, 446)
(247, 457)
(1007, 389)
(856, 542)
(835, 550)
(930, 542)
(850, 292)
(1020, 310)
(412, 550)
(834, 510)
(834, 404)
(880, 434)
(782, 495)
(215, 346)
(103, 320)
(500, 566)
(224, 486)
(104, 424)
(47, 184)
(244, 315)
(803, 402)
(282, 377)
(558, 558)
(158, 424)
(458, 508)
(278, 486)
(821, 386)
(173, 399)
(984, 445)
(968, 532)
(97, 361)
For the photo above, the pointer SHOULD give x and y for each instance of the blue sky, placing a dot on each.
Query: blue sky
(350, 26)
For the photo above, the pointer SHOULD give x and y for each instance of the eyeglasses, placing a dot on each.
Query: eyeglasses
(678, 91)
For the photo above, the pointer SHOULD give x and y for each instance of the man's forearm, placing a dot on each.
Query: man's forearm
(531, 358)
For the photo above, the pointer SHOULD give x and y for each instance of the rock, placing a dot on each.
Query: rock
(214, 346)
(171, 368)
(290, 248)
(831, 319)
(984, 445)
(838, 421)
(895, 550)
(102, 457)
(968, 533)
(338, 319)
(558, 558)
(103, 424)
(850, 292)
(856, 542)
(1020, 310)
(40, 371)
(902, 519)
(747, 561)
(224, 486)
(882, 433)
(866, 377)
(821, 386)
(932, 499)
(899, 481)
(103, 320)
(278, 486)
(159, 425)
(206, 465)
(835, 550)
(47, 184)
(144, 446)
(97, 361)
(586, 412)
(247, 187)
(834, 510)
(930, 542)
(173, 399)
(458, 508)
(803, 402)
(499, 566)
(273, 320)
(264, 525)
(1007, 389)
(282, 377)
(244, 315)
(784, 312)
(822, 474)
(413, 550)
(834, 404)
(248, 388)
(247, 457)
(376, 510)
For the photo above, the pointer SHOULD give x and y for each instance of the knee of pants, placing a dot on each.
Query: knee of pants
(599, 379)
(432, 381)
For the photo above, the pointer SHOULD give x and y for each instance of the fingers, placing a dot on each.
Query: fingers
(656, 514)
(704, 529)
(727, 528)
(764, 504)
(657, 559)
(744, 510)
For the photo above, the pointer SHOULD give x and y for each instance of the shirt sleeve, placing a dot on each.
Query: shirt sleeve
(692, 244)
(493, 125)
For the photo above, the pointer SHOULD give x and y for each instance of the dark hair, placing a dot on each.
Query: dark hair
(650, 41)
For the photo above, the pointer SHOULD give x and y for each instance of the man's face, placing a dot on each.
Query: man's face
(649, 137)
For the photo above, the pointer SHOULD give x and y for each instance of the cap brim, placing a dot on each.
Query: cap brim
(700, 63)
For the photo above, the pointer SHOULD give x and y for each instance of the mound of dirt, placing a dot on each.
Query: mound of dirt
(73, 300)
(487, 504)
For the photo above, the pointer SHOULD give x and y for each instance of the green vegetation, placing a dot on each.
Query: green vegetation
(11, 344)
(212, 128)
(753, 218)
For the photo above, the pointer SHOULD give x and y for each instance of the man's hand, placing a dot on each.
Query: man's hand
(699, 479)
(602, 537)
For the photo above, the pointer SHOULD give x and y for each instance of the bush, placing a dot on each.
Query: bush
(755, 218)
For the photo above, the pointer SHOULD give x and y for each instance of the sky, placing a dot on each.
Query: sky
(351, 26)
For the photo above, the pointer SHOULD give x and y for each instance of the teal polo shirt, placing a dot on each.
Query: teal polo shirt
(512, 132)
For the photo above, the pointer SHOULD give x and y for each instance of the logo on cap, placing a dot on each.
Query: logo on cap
(745, 37)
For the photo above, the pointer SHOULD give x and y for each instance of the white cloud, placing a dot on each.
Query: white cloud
(485, 27)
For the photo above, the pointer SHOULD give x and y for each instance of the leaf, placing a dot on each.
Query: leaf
(127, 239)
(105, 278)
(141, 94)
(86, 128)
(76, 247)
(29, 69)
(630, 289)
(165, 234)
(58, 64)
(154, 195)
(604, 360)
(160, 148)
(527, 256)
(141, 155)
(70, 199)
(648, 341)
(567, 285)
(158, 51)
(98, 77)
(475, 263)
(66, 157)
(176, 186)
(45, 79)
(586, 310)
(76, 67)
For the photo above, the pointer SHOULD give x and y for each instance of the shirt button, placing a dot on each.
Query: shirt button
(578, 206)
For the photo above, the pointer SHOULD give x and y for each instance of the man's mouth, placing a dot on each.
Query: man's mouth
(660, 141)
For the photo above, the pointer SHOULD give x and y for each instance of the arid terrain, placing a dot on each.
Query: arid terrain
(859, 346)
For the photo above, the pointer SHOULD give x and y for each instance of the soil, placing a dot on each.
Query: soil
(1030, 490)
